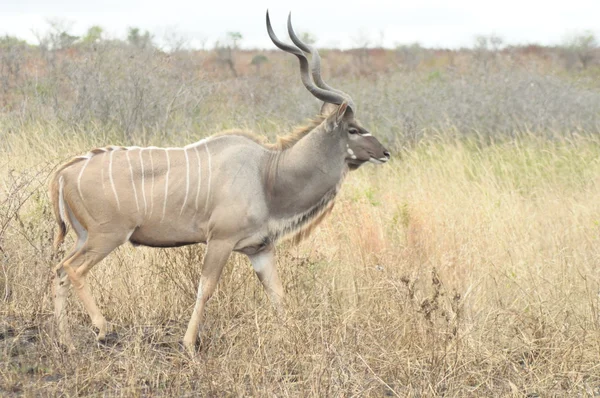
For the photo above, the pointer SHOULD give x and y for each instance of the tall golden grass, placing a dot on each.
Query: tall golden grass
(462, 268)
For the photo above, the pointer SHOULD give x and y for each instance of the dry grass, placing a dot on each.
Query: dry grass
(460, 269)
(468, 266)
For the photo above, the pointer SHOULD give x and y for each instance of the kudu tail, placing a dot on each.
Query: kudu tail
(58, 205)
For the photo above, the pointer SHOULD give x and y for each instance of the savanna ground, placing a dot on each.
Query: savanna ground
(467, 266)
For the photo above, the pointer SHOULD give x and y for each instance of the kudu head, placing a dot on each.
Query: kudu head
(338, 107)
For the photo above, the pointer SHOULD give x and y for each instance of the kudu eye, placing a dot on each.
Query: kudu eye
(353, 131)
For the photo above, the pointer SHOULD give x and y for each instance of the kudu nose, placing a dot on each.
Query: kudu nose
(387, 154)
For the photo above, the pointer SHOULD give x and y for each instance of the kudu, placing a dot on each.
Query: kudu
(229, 191)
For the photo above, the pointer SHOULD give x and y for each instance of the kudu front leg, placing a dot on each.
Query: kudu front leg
(217, 254)
(266, 270)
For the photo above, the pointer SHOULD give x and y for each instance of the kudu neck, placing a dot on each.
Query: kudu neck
(307, 172)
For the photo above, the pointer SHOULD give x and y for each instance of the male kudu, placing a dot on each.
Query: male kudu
(229, 191)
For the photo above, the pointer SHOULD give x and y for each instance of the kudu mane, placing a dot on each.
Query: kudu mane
(283, 141)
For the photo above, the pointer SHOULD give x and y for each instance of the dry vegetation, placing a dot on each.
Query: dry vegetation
(468, 266)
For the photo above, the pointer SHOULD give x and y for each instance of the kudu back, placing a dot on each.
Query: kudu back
(229, 191)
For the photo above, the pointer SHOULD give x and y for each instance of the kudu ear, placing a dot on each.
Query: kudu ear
(339, 112)
(343, 111)
(328, 108)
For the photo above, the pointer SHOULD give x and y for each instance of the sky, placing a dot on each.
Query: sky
(334, 23)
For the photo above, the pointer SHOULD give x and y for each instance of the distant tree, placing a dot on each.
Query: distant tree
(486, 47)
(410, 55)
(7, 41)
(13, 54)
(496, 42)
(202, 40)
(258, 60)
(234, 38)
(308, 38)
(93, 35)
(174, 40)
(491, 42)
(480, 43)
(381, 39)
(225, 50)
(361, 39)
(362, 42)
(138, 39)
(583, 46)
(66, 40)
(58, 36)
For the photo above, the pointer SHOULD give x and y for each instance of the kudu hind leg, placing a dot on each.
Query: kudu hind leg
(61, 291)
(93, 251)
(217, 254)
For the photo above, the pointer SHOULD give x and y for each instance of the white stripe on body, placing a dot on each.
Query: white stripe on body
(209, 172)
(199, 175)
(202, 141)
(102, 174)
(137, 204)
(112, 181)
(152, 184)
(61, 199)
(187, 180)
(143, 182)
(79, 177)
(166, 184)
